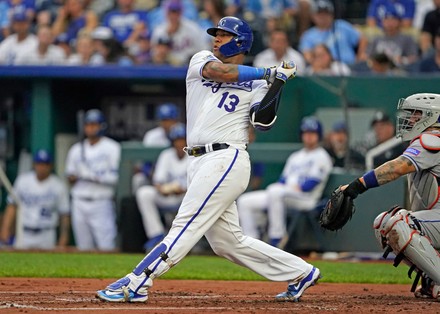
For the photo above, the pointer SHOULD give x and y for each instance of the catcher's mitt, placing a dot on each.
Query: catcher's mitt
(337, 211)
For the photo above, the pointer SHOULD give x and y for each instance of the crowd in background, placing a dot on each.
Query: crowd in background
(393, 38)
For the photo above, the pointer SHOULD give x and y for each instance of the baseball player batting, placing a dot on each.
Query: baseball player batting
(222, 97)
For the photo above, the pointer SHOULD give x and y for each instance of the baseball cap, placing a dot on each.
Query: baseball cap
(339, 126)
(167, 111)
(323, 6)
(174, 5)
(42, 156)
(164, 41)
(380, 116)
(391, 11)
(19, 16)
(102, 33)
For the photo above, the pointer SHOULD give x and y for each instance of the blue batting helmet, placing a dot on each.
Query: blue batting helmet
(167, 111)
(241, 43)
(96, 116)
(42, 156)
(311, 124)
(177, 131)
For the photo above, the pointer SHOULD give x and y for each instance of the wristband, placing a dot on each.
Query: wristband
(247, 73)
(355, 188)
(370, 180)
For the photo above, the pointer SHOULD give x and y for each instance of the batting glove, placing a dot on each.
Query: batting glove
(286, 71)
(269, 74)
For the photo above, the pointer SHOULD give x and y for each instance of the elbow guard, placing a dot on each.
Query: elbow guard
(261, 126)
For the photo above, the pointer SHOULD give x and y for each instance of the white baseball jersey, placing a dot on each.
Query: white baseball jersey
(308, 164)
(54, 56)
(156, 137)
(169, 168)
(41, 203)
(98, 162)
(93, 212)
(219, 112)
(300, 167)
(222, 115)
(11, 48)
(185, 42)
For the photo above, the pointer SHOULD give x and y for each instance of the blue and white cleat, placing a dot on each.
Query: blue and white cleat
(120, 291)
(295, 291)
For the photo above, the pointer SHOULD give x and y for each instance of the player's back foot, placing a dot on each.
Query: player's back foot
(295, 291)
(120, 291)
(428, 290)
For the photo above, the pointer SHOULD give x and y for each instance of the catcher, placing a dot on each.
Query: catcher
(413, 234)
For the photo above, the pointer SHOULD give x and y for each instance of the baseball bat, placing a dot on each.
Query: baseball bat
(18, 225)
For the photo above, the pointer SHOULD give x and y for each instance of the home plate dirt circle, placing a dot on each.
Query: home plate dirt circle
(67, 295)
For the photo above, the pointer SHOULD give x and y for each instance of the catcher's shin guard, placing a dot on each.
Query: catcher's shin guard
(404, 237)
(379, 225)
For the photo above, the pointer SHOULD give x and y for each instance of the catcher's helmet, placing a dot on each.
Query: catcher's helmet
(177, 131)
(416, 113)
(311, 124)
(241, 43)
(167, 111)
(96, 116)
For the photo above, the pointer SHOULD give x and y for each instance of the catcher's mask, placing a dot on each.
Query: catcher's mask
(242, 41)
(416, 113)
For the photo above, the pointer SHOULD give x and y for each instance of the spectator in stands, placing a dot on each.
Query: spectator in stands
(279, 49)
(142, 55)
(338, 147)
(83, 51)
(431, 63)
(73, 17)
(44, 206)
(431, 25)
(399, 47)
(107, 50)
(301, 185)
(45, 52)
(168, 189)
(22, 6)
(322, 63)
(211, 12)
(20, 41)
(101, 7)
(126, 22)
(158, 15)
(382, 130)
(377, 8)
(380, 64)
(61, 41)
(422, 8)
(4, 20)
(340, 36)
(181, 32)
(266, 16)
(161, 53)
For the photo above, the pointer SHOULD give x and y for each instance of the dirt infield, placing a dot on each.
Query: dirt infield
(36, 295)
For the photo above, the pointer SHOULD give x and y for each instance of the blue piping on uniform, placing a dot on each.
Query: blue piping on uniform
(201, 207)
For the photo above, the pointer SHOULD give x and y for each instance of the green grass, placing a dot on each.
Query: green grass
(85, 265)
